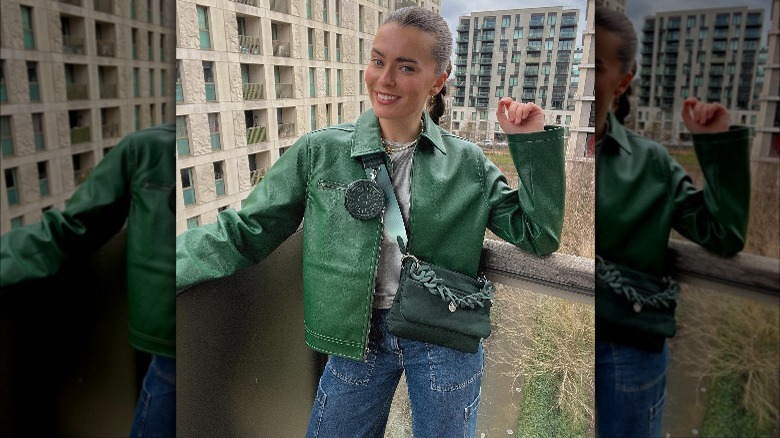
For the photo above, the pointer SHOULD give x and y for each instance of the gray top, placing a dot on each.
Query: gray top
(389, 268)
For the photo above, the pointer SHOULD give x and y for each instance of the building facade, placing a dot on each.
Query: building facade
(252, 76)
(712, 54)
(75, 77)
(526, 54)
(766, 140)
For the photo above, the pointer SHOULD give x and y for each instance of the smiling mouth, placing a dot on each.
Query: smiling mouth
(386, 98)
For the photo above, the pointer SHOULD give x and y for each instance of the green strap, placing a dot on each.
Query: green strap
(393, 220)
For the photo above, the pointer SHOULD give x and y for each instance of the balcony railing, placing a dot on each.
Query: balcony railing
(76, 91)
(286, 130)
(253, 91)
(246, 2)
(110, 130)
(81, 175)
(108, 91)
(255, 176)
(284, 91)
(249, 44)
(73, 44)
(105, 48)
(80, 135)
(281, 6)
(281, 48)
(106, 6)
(257, 134)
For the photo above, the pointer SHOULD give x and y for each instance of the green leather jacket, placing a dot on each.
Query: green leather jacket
(642, 193)
(134, 183)
(455, 194)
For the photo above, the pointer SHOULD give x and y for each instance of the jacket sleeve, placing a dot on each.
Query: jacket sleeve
(530, 217)
(93, 214)
(715, 217)
(238, 239)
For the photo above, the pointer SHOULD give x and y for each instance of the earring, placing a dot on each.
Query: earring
(432, 100)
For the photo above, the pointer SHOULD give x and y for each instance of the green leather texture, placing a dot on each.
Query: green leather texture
(642, 194)
(455, 194)
(133, 183)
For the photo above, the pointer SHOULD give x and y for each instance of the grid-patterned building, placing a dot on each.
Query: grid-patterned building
(766, 142)
(75, 77)
(254, 75)
(527, 54)
(712, 54)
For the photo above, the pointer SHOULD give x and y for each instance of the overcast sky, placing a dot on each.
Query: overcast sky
(638, 9)
(452, 10)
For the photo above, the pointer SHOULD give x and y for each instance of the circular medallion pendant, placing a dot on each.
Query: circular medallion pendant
(364, 199)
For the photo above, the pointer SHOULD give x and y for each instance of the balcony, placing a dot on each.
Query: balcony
(105, 48)
(76, 91)
(249, 44)
(281, 48)
(246, 2)
(253, 91)
(110, 130)
(281, 6)
(106, 6)
(567, 35)
(255, 176)
(257, 134)
(537, 23)
(284, 91)
(80, 135)
(286, 130)
(73, 45)
(108, 91)
(566, 21)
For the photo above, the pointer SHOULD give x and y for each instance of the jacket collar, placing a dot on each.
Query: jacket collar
(616, 136)
(367, 138)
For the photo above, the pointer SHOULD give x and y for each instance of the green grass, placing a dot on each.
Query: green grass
(540, 415)
(725, 415)
(503, 161)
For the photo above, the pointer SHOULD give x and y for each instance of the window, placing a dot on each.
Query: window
(313, 116)
(10, 186)
(308, 9)
(208, 79)
(6, 139)
(339, 111)
(179, 89)
(552, 18)
(162, 47)
(203, 27)
(312, 82)
(136, 82)
(137, 117)
(32, 79)
(326, 44)
(506, 20)
(43, 178)
(338, 12)
(149, 46)
(27, 28)
(324, 11)
(193, 222)
(518, 33)
(327, 82)
(188, 191)
(360, 82)
(214, 131)
(338, 47)
(134, 42)
(310, 34)
(361, 16)
(151, 82)
(37, 125)
(182, 139)
(162, 83)
(3, 92)
(17, 222)
(360, 51)
(338, 82)
(219, 178)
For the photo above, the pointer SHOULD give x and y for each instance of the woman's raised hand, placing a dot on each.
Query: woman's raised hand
(519, 118)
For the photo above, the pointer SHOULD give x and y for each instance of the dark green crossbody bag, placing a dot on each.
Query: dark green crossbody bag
(634, 300)
(432, 304)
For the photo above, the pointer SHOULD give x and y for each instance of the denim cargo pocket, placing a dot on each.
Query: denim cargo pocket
(351, 371)
(452, 370)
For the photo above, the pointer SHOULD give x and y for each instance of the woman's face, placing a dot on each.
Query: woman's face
(611, 82)
(401, 75)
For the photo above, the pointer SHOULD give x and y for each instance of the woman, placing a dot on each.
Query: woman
(448, 194)
(641, 194)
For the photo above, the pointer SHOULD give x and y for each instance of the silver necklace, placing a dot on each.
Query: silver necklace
(397, 146)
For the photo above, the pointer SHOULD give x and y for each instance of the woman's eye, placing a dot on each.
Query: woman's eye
(406, 68)
(376, 61)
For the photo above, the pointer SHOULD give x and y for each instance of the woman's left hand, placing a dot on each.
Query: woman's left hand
(519, 118)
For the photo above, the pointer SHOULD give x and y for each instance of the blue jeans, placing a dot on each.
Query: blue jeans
(354, 397)
(630, 390)
(155, 413)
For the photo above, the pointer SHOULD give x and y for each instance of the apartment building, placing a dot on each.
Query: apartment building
(766, 140)
(527, 54)
(75, 77)
(252, 76)
(713, 54)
